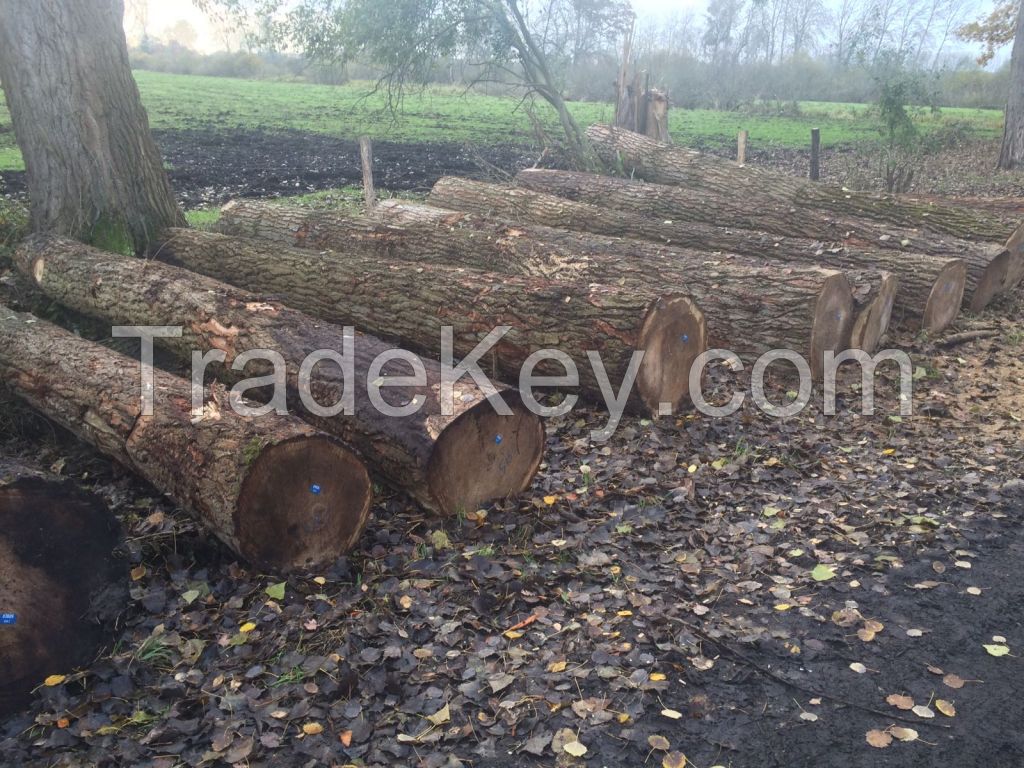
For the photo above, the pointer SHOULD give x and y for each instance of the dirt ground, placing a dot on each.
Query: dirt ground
(745, 591)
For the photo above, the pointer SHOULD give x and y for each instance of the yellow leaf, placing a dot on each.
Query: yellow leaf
(513, 634)
(320, 580)
(442, 716)
(549, 500)
(575, 748)
(138, 572)
(63, 722)
(945, 707)
(782, 606)
(556, 666)
(247, 627)
(997, 650)
(904, 734)
(657, 677)
(674, 760)
(405, 601)
(658, 742)
(624, 613)
(889, 452)
(671, 714)
(312, 729)
(53, 680)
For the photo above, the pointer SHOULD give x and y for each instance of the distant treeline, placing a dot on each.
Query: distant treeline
(692, 81)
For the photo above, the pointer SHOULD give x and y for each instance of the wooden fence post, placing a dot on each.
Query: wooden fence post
(815, 154)
(366, 155)
(741, 148)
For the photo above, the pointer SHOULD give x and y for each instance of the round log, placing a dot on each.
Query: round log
(62, 583)
(917, 258)
(411, 303)
(450, 456)
(273, 489)
(750, 309)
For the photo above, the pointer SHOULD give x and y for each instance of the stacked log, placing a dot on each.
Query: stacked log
(750, 309)
(248, 480)
(62, 584)
(412, 303)
(451, 453)
(988, 265)
(665, 163)
(928, 286)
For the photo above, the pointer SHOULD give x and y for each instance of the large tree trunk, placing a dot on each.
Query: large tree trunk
(93, 170)
(247, 480)
(988, 265)
(449, 455)
(759, 187)
(1011, 154)
(928, 286)
(749, 310)
(61, 584)
(411, 303)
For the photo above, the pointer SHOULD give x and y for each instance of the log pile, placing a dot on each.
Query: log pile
(453, 453)
(247, 480)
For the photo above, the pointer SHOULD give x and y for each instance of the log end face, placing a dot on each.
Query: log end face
(833, 314)
(303, 502)
(60, 578)
(945, 298)
(483, 456)
(873, 321)
(994, 279)
(673, 335)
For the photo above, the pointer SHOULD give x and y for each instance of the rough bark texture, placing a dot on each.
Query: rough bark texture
(93, 169)
(247, 480)
(874, 295)
(1011, 153)
(411, 303)
(670, 164)
(448, 461)
(749, 310)
(61, 583)
(676, 208)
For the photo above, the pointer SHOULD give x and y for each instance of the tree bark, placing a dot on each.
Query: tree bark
(1011, 153)
(749, 310)
(61, 584)
(988, 266)
(93, 170)
(247, 480)
(669, 164)
(448, 455)
(411, 303)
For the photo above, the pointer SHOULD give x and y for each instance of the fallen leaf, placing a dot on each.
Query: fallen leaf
(945, 707)
(879, 739)
(276, 591)
(658, 742)
(575, 748)
(312, 729)
(859, 668)
(997, 650)
(953, 681)
(922, 711)
(674, 760)
(657, 677)
(671, 714)
(247, 627)
(903, 734)
(822, 572)
(138, 572)
(442, 716)
(973, 591)
(556, 666)
(345, 737)
(915, 633)
(63, 722)
(899, 701)
(865, 634)
(810, 717)
(549, 500)
(53, 680)
(190, 596)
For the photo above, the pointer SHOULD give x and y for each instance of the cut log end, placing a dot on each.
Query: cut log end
(946, 296)
(873, 320)
(60, 579)
(673, 335)
(994, 279)
(833, 321)
(483, 456)
(304, 501)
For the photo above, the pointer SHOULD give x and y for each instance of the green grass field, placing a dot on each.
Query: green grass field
(448, 114)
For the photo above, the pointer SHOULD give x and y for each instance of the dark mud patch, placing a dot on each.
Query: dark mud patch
(210, 167)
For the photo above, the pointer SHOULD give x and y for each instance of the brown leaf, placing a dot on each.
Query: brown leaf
(879, 739)
(953, 681)
(900, 702)
(658, 742)
(674, 760)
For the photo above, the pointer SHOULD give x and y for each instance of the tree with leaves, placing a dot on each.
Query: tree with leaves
(1003, 24)
(93, 169)
(511, 41)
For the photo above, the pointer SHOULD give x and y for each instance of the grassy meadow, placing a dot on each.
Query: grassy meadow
(182, 102)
